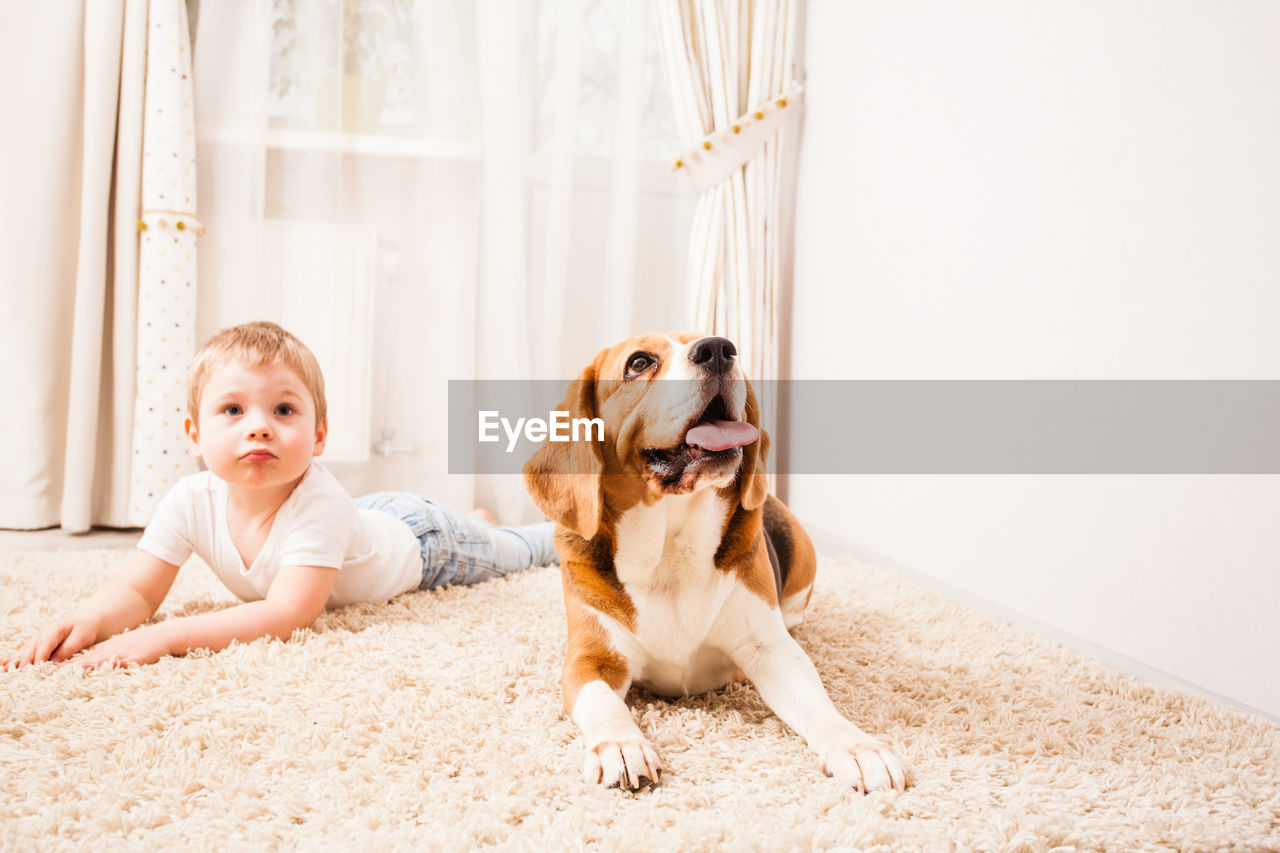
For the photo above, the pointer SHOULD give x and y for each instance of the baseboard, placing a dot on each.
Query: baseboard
(830, 544)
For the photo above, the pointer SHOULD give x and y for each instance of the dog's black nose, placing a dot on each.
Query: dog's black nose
(714, 355)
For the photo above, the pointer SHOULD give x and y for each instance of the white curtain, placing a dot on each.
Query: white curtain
(70, 179)
(731, 66)
(467, 167)
(166, 259)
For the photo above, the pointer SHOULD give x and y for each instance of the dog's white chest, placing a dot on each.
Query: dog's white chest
(666, 560)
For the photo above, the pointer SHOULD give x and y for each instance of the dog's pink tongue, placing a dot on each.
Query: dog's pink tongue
(721, 435)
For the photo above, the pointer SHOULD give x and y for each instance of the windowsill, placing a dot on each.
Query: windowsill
(589, 173)
(367, 144)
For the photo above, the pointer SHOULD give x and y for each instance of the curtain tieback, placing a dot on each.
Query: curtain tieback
(176, 219)
(727, 149)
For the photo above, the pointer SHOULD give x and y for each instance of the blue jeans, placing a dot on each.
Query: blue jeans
(462, 548)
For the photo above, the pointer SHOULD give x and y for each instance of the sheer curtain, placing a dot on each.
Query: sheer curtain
(436, 190)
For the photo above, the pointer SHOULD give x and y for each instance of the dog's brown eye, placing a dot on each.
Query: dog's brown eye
(639, 363)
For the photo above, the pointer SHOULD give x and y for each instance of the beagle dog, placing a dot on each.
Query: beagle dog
(681, 573)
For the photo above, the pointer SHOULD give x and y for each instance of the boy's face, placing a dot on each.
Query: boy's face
(257, 426)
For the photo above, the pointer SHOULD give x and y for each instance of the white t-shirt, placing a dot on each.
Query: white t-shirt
(376, 554)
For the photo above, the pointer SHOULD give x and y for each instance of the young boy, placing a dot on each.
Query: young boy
(277, 528)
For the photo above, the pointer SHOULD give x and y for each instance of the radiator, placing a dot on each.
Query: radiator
(319, 284)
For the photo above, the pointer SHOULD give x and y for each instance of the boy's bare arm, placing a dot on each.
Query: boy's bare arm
(297, 596)
(129, 599)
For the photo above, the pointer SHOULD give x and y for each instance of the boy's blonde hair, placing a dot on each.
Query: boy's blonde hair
(255, 345)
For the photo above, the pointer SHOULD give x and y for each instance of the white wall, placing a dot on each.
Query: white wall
(1024, 189)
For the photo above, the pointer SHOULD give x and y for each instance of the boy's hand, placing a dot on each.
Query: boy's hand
(296, 597)
(142, 645)
(128, 600)
(57, 641)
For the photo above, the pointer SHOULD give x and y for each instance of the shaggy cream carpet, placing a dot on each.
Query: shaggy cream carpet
(434, 722)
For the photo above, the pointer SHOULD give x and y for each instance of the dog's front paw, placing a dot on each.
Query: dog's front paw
(622, 764)
(867, 765)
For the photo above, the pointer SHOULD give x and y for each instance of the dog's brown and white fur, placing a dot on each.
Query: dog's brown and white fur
(665, 555)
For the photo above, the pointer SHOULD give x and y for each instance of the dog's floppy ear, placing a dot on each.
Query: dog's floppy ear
(563, 478)
(753, 483)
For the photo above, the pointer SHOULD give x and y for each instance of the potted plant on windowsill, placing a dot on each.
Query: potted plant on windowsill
(353, 51)
(373, 53)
